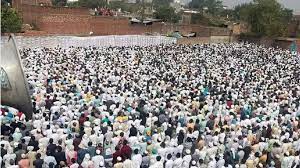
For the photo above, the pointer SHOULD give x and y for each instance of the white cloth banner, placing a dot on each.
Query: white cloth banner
(95, 41)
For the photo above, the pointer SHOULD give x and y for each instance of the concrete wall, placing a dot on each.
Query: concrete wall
(194, 40)
(211, 39)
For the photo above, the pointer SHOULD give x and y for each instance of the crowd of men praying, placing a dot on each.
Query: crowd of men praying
(234, 105)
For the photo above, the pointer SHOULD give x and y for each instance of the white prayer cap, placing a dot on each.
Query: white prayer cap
(17, 130)
(16, 144)
(101, 163)
(30, 148)
(87, 124)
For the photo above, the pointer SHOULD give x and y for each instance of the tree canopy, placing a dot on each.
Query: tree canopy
(167, 14)
(160, 3)
(11, 22)
(59, 2)
(266, 17)
(213, 6)
(92, 3)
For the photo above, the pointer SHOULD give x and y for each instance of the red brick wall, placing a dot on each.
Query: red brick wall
(31, 13)
(83, 24)
(78, 21)
(64, 24)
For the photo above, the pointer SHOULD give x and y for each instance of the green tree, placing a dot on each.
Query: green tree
(92, 3)
(213, 6)
(59, 2)
(160, 3)
(133, 8)
(167, 14)
(240, 12)
(266, 17)
(11, 22)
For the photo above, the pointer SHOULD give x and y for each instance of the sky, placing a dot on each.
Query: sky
(292, 4)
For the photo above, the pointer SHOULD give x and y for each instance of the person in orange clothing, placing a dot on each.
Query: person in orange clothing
(24, 162)
(263, 158)
(191, 124)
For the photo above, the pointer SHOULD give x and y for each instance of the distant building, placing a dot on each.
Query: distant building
(294, 26)
(183, 2)
(70, 1)
(108, 1)
(136, 1)
(187, 16)
(131, 1)
(177, 6)
(297, 20)
(238, 28)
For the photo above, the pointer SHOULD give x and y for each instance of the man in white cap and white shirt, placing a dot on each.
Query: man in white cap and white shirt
(169, 162)
(221, 161)
(97, 159)
(212, 162)
(187, 159)
(136, 158)
(158, 163)
(178, 161)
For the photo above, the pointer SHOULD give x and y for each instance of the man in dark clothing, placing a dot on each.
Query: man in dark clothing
(197, 125)
(169, 131)
(104, 129)
(91, 149)
(49, 103)
(38, 163)
(143, 117)
(80, 155)
(180, 137)
(34, 143)
(76, 142)
(60, 155)
(51, 147)
(133, 131)
(210, 124)
(5, 129)
(3, 151)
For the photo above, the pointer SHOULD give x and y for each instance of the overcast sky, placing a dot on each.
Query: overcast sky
(292, 4)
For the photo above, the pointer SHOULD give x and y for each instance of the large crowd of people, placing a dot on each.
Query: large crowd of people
(230, 105)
